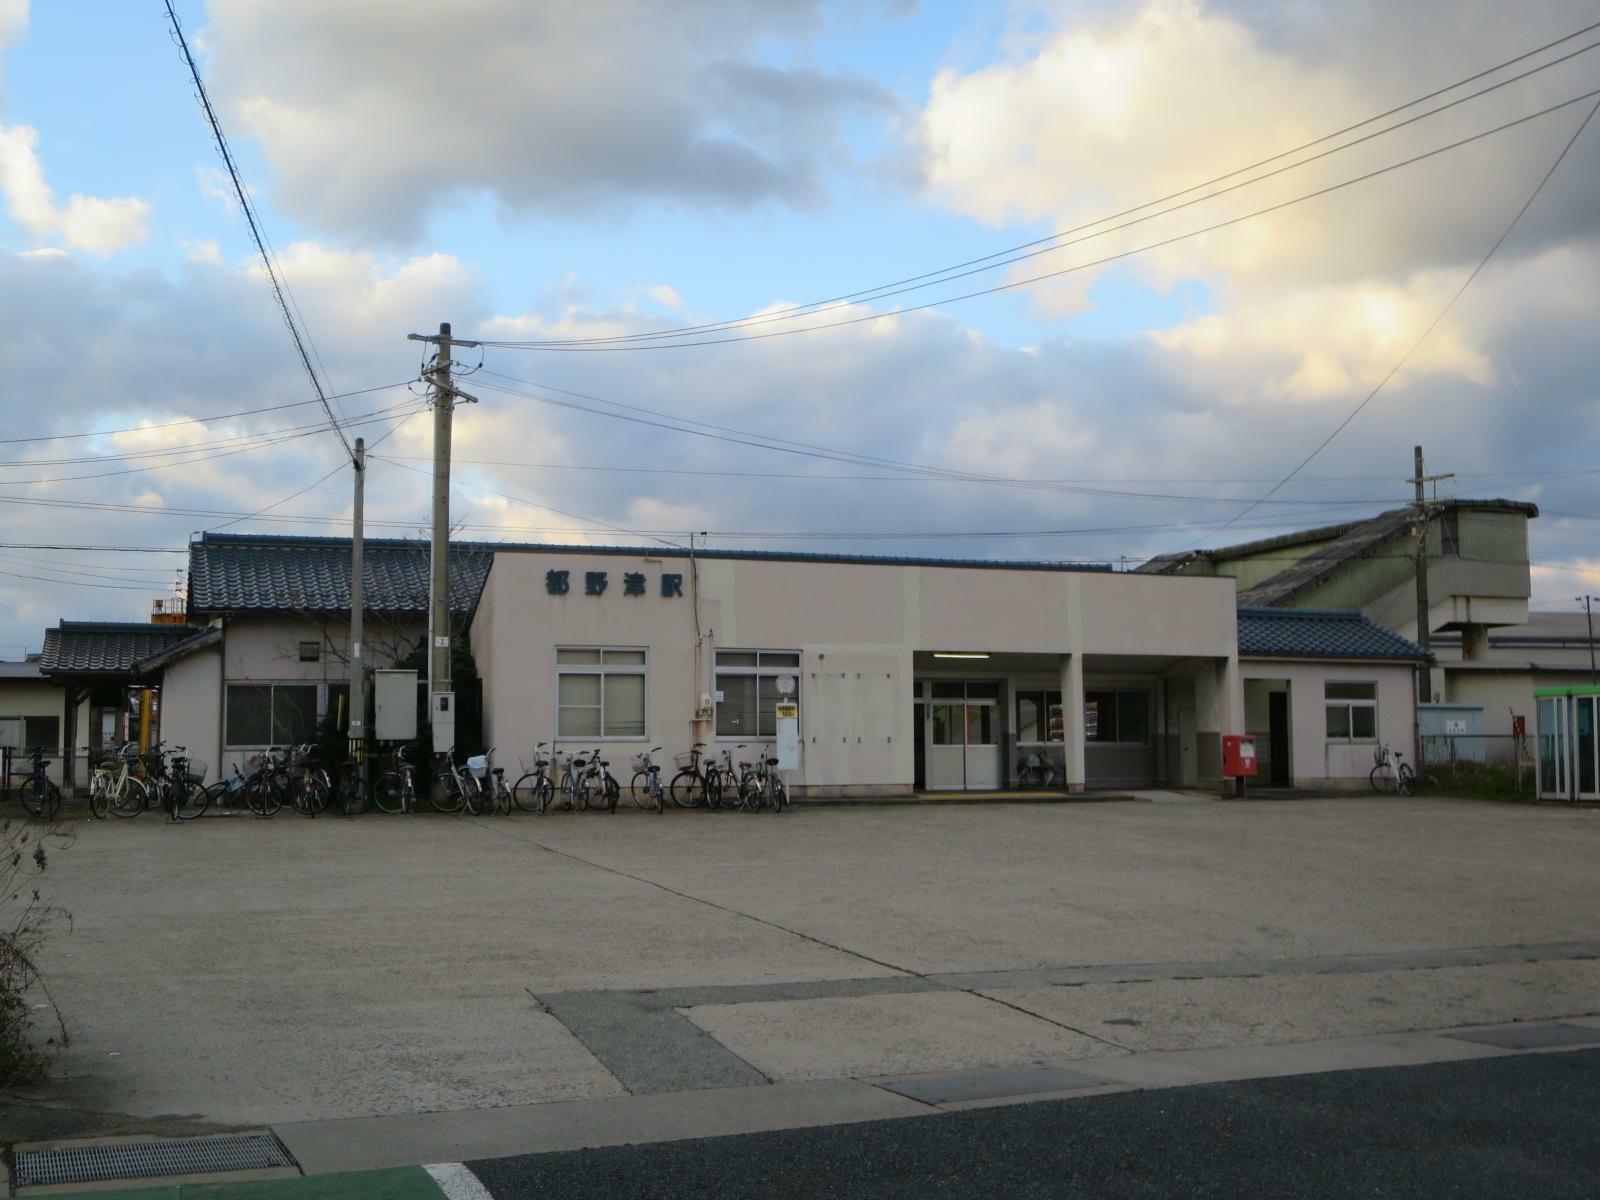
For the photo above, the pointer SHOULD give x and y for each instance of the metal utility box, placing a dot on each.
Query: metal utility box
(1239, 755)
(442, 711)
(396, 704)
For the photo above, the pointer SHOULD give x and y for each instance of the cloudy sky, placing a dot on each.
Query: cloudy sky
(591, 176)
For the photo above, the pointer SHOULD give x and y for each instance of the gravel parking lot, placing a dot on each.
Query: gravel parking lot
(243, 971)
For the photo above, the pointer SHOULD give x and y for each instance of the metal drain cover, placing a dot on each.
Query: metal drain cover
(93, 1163)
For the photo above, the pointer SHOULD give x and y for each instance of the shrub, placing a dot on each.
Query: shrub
(26, 919)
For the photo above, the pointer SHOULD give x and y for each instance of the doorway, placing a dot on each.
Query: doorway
(1188, 767)
(919, 746)
(1278, 739)
(961, 745)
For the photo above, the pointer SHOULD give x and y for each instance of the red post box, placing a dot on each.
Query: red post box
(1239, 755)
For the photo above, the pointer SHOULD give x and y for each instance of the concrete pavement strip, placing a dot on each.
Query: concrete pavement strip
(358, 1143)
(355, 1159)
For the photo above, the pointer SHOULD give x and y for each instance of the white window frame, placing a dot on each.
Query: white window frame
(601, 670)
(1350, 705)
(320, 690)
(759, 671)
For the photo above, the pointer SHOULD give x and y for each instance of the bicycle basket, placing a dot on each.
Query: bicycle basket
(683, 761)
(196, 771)
(478, 764)
(1377, 757)
(639, 762)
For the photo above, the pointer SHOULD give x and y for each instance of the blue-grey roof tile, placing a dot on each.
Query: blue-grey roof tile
(248, 572)
(1319, 633)
(106, 647)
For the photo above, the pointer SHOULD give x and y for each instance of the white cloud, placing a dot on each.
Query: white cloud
(546, 108)
(203, 251)
(96, 226)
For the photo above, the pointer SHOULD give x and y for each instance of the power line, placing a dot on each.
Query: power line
(255, 228)
(1040, 246)
(817, 477)
(1434, 324)
(1033, 279)
(246, 412)
(257, 444)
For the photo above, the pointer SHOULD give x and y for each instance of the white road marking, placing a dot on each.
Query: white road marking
(457, 1182)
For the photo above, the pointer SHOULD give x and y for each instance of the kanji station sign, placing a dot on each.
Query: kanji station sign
(595, 583)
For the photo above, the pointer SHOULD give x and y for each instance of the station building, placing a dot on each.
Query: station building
(911, 674)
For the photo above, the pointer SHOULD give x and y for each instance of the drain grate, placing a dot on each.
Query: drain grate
(149, 1160)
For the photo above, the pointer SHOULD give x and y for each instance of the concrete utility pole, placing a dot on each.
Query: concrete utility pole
(445, 395)
(356, 728)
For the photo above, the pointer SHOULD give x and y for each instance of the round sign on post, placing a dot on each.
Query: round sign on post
(785, 685)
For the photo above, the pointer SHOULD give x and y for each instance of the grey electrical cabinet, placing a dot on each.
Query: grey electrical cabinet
(396, 704)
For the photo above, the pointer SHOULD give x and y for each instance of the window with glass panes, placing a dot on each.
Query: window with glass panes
(599, 692)
(1116, 716)
(1352, 710)
(271, 714)
(748, 681)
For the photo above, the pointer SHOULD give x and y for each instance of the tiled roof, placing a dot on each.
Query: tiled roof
(106, 647)
(1346, 543)
(240, 572)
(1319, 633)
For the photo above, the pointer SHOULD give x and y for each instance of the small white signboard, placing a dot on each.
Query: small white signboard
(788, 714)
(1455, 725)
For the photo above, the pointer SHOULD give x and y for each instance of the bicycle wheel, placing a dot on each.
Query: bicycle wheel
(313, 796)
(639, 788)
(388, 796)
(1381, 779)
(447, 795)
(270, 795)
(688, 788)
(780, 796)
(191, 800)
(100, 797)
(41, 798)
(525, 791)
(714, 789)
(1407, 783)
(132, 799)
(355, 797)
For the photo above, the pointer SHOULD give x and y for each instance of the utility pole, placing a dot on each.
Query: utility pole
(1421, 514)
(356, 729)
(1422, 511)
(1588, 612)
(441, 701)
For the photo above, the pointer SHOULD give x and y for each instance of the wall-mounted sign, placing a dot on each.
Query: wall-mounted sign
(788, 739)
(634, 583)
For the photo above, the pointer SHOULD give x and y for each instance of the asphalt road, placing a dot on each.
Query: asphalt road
(1513, 1126)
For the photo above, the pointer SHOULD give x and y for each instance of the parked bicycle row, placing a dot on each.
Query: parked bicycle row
(128, 782)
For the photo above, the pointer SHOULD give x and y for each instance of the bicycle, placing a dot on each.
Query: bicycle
(533, 790)
(586, 781)
(760, 786)
(308, 784)
(267, 786)
(116, 788)
(1391, 775)
(397, 790)
(695, 785)
(186, 792)
(40, 796)
(1036, 770)
(353, 792)
(485, 789)
(646, 784)
(601, 789)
